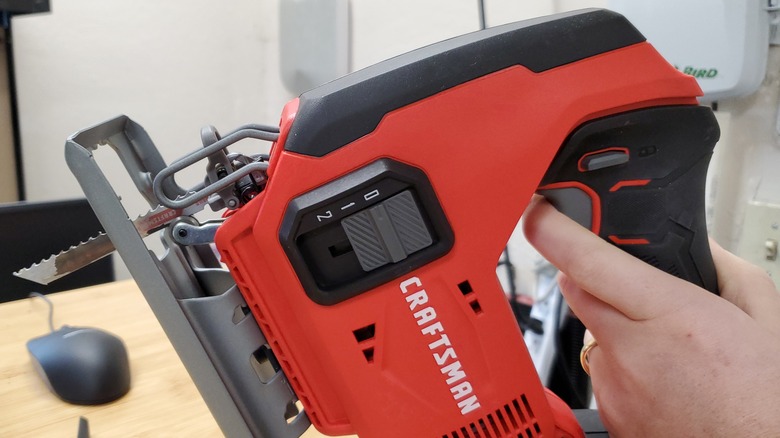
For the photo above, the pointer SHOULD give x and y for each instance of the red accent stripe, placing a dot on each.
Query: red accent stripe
(618, 241)
(629, 183)
(581, 168)
(595, 222)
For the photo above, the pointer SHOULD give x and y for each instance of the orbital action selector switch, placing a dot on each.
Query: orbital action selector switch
(387, 232)
(368, 227)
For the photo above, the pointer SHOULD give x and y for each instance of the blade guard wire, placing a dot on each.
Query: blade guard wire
(259, 132)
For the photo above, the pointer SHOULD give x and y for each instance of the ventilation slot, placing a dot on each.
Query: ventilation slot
(292, 411)
(514, 419)
(369, 354)
(471, 298)
(265, 364)
(239, 277)
(365, 338)
(366, 333)
(239, 313)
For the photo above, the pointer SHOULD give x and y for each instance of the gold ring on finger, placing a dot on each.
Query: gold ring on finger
(584, 359)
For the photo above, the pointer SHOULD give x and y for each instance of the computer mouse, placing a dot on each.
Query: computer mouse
(82, 365)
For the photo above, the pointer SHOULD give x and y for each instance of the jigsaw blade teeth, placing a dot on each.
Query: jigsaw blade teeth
(66, 261)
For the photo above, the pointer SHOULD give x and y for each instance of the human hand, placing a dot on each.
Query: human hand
(672, 359)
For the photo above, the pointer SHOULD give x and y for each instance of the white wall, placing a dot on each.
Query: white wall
(172, 66)
(385, 28)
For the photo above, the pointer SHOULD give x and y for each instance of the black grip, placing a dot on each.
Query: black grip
(637, 179)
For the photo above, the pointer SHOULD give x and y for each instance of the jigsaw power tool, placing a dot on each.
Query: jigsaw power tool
(361, 251)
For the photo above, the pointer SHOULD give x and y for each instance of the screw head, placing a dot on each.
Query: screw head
(182, 232)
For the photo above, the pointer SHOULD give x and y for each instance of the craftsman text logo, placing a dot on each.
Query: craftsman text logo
(441, 347)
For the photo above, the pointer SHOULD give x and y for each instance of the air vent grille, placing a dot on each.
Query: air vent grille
(365, 338)
(471, 298)
(514, 419)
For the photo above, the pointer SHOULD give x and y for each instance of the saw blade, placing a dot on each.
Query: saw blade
(69, 260)
(95, 248)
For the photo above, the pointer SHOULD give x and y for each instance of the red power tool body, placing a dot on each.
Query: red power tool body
(369, 260)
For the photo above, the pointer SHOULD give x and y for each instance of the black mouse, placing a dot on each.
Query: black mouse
(82, 365)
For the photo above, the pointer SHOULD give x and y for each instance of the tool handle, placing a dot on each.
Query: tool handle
(637, 180)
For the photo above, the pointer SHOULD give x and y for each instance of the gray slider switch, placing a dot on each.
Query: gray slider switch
(387, 232)
(604, 159)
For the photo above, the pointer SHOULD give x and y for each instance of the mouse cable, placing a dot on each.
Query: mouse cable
(51, 307)
(83, 428)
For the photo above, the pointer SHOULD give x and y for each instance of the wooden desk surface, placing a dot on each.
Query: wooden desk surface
(162, 400)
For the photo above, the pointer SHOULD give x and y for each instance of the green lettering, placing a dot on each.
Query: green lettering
(700, 73)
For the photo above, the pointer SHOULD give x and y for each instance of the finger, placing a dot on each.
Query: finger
(631, 286)
(601, 319)
(748, 287)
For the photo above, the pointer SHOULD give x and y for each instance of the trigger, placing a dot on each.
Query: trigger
(574, 202)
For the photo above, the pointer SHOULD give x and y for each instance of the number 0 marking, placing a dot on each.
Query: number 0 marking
(371, 195)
